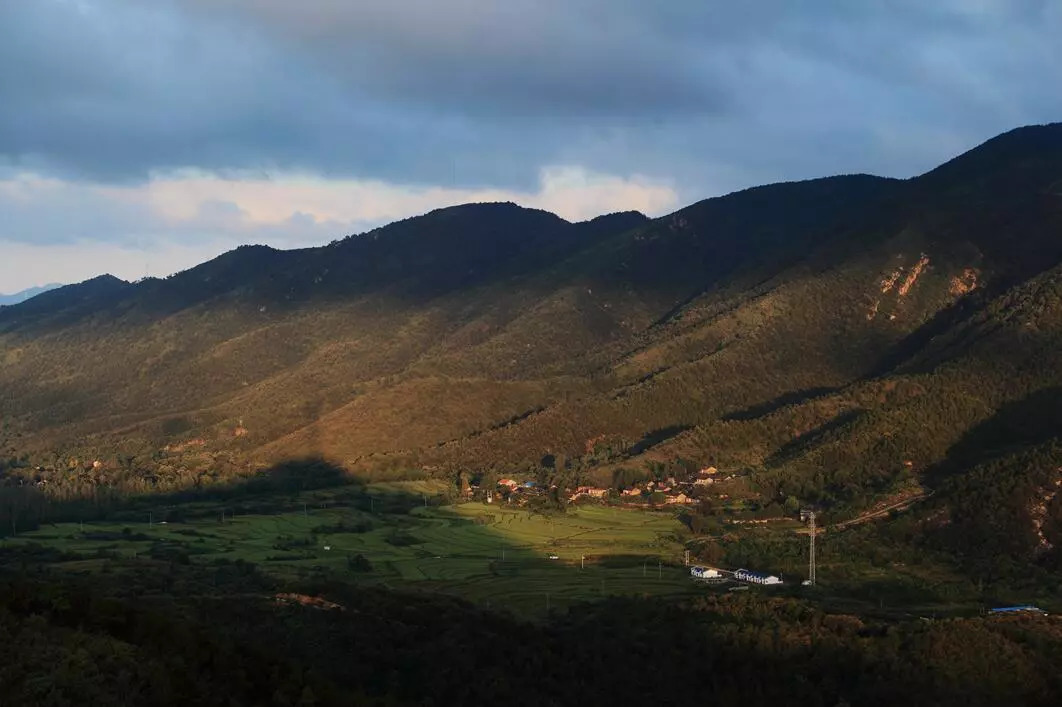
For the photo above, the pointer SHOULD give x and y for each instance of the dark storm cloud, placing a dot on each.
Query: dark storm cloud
(113, 89)
(515, 59)
(714, 95)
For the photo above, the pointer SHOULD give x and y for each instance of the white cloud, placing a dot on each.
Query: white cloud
(68, 231)
(571, 192)
(24, 265)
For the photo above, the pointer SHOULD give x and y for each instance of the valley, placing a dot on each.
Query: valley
(523, 560)
(412, 353)
(498, 557)
(488, 431)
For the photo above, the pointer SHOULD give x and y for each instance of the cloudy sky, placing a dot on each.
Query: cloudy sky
(142, 137)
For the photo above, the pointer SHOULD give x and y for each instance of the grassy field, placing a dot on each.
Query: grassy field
(496, 555)
(397, 535)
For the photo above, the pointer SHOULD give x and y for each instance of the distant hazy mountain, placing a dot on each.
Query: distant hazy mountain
(26, 294)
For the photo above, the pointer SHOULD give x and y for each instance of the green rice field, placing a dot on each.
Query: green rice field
(501, 556)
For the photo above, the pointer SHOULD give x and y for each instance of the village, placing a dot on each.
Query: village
(650, 492)
(701, 489)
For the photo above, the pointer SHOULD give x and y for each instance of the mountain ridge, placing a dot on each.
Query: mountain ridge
(831, 338)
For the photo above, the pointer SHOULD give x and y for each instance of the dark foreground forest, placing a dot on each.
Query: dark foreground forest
(176, 634)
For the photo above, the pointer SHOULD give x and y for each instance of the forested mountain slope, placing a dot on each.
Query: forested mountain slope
(839, 337)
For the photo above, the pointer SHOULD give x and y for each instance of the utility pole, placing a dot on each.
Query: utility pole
(811, 553)
(687, 558)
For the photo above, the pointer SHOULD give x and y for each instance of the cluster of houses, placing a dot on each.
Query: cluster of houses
(635, 494)
(515, 486)
(673, 491)
(588, 492)
(755, 577)
(510, 487)
(705, 573)
(742, 575)
(680, 492)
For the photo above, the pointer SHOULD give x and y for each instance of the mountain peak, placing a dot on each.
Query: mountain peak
(1025, 153)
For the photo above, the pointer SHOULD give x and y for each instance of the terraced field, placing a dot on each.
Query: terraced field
(501, 556)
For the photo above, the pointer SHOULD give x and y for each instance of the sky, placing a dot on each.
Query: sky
(140, 138)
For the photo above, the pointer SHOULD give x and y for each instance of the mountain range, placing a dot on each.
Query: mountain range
(26, 294)
(840, 340)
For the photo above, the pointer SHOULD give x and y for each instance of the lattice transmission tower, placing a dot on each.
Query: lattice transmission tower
(811, 553)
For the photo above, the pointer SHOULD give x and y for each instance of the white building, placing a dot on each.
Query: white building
(704, 573)
(756, 578)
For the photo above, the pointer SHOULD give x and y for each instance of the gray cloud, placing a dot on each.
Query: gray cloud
(61, 213)
(712, 95)
(519, 58)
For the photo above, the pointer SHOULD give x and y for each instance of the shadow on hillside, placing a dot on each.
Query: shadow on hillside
(304, 527)
(656, 437)
(940, 323)
(274, 490)
(812, 437)
(1033, 420)
(766, 408)
(308, 524)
